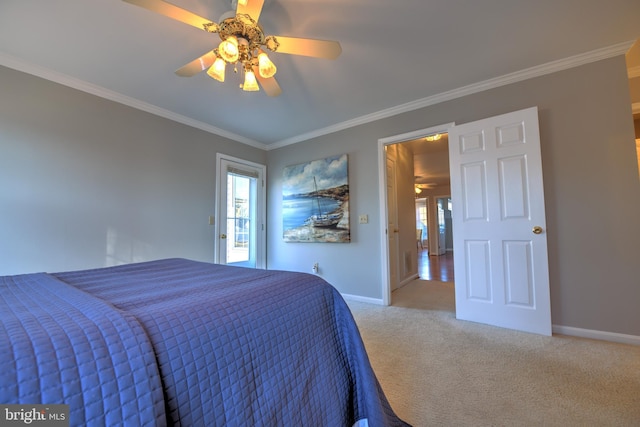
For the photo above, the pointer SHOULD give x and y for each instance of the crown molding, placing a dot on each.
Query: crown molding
(63, 79)
(539, 70)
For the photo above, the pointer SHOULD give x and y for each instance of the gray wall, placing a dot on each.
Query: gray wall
(86, 182)
(591, 185)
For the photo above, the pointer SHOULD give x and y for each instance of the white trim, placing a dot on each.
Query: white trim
(382, 197)
(596, 335)
(384, 221)
(72, 82)
(376, 301)
(408, 280)
(539, 70)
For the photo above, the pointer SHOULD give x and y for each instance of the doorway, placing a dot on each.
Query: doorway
(427, 187)
(240, 213)
(501, 263)
(438, 266)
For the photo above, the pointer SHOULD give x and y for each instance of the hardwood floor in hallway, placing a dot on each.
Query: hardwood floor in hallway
(434, 289)
(435, 267)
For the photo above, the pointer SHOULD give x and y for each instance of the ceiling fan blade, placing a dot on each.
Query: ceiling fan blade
(253, 8)
(308, 47)
(270, 85)
(171, 11)
(197, 65)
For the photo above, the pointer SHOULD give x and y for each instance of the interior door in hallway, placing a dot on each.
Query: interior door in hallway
(499, 233)
(392, 225)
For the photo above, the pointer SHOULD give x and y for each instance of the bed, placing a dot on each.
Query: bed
(180, 342)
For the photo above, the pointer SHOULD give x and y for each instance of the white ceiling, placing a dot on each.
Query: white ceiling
(397, 55)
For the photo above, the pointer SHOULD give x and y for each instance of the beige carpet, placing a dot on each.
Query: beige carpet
(438, 371)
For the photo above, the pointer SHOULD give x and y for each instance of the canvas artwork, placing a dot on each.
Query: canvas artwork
(315, 201)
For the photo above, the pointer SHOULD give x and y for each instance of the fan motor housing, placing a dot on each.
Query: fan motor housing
(240, 28)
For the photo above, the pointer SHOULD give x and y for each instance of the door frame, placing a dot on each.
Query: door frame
(394, 282)
(382, 197)
(261, 208)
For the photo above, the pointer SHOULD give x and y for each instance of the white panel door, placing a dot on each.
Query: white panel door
(499, 228)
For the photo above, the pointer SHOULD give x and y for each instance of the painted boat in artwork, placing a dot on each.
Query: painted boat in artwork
(323, 219)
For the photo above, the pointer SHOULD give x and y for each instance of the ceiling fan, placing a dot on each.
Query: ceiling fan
(242, 43)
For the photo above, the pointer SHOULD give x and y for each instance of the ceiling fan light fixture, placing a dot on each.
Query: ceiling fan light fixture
(228, 49)
(250, 82)
(266, 67)
(216, 71)
(241, 44)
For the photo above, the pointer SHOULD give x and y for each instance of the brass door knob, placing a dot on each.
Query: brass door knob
(223, 236)
(537, 230)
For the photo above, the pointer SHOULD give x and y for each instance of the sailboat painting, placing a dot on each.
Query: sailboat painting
(315, 201)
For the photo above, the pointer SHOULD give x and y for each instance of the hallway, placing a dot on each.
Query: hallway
(435, 267)
(434, 289)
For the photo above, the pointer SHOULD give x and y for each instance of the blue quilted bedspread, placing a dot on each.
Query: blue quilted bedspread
(59, 345)
(233, 346)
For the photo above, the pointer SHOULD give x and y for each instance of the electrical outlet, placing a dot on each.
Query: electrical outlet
(315, 268)
(364, 219)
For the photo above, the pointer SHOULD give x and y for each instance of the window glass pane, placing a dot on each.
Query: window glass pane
(238, 218)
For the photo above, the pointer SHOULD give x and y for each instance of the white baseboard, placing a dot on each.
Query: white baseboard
(358, 298)
(378, 301)
(408, 280)
(596, 335)
(557, 329)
